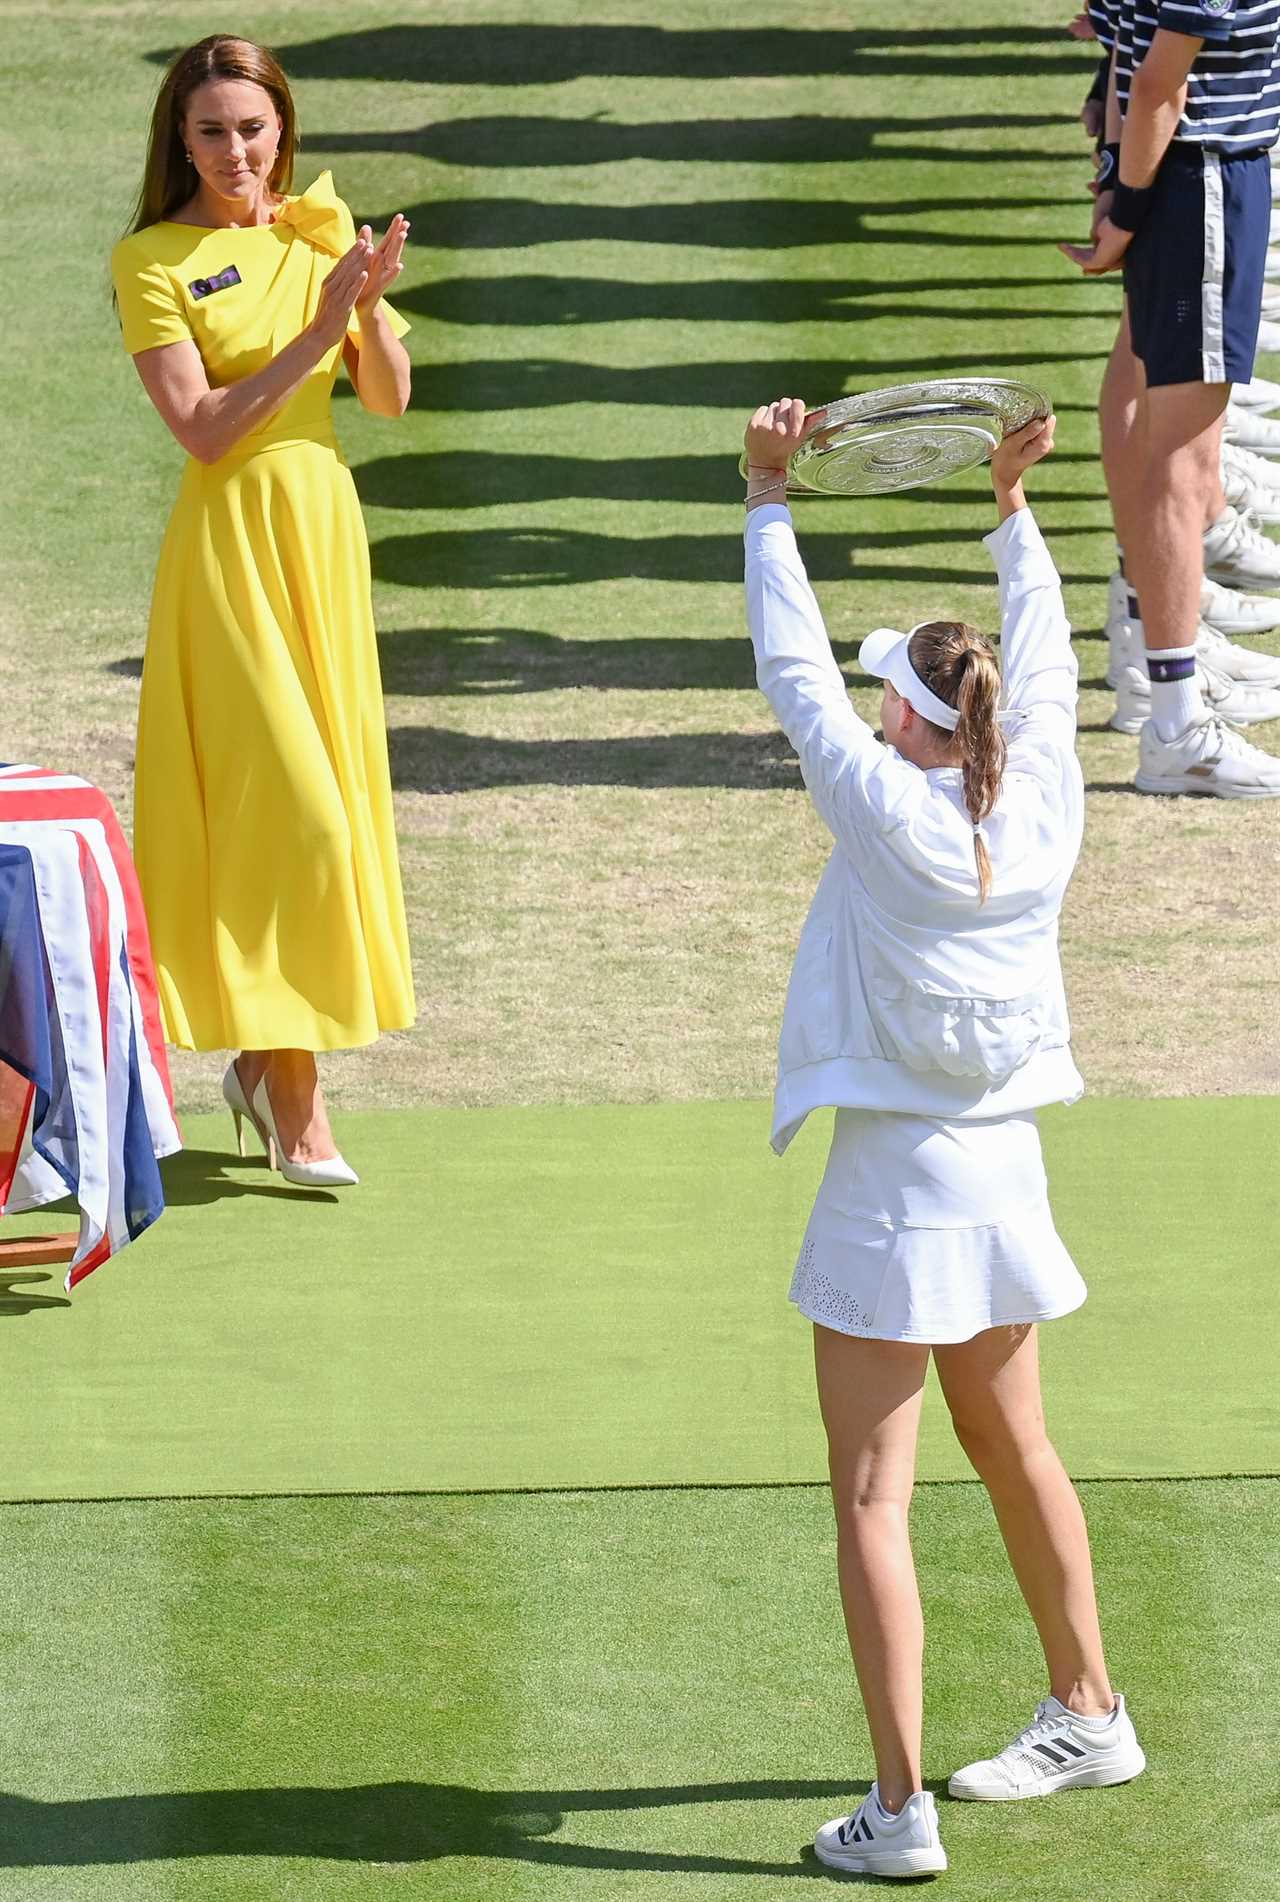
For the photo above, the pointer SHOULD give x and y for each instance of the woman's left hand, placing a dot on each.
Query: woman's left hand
(386, 263)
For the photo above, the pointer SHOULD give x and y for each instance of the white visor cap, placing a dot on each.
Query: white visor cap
(885, 654)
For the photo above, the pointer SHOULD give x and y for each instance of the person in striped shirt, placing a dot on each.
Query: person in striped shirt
(1183, 209)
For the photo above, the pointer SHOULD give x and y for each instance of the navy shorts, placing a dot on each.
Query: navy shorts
(1193, 274)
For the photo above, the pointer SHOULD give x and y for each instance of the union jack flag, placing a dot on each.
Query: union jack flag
(86, 1106)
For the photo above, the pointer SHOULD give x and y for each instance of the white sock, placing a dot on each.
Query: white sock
(1176, 701)
(1098, 1723)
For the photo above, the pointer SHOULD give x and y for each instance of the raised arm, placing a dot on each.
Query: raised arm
(1036, 657)
(855, 782)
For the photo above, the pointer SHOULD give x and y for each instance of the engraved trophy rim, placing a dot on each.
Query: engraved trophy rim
(904, 435)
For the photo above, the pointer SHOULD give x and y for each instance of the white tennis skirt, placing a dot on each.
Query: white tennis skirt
(932, 1231)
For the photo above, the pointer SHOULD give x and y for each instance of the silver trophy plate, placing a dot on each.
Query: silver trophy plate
(910, 434)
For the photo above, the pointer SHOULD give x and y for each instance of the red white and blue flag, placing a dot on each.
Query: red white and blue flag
(88, 1099)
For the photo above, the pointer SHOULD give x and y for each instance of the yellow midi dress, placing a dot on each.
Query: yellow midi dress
(264, 834)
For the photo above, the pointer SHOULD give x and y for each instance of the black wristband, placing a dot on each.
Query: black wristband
(1129, 205)
(1108, 167)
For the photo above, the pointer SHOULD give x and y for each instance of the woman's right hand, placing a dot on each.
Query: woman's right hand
(1020, 450)
(339, 292)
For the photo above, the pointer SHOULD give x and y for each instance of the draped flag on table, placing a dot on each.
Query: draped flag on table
(86, 1105)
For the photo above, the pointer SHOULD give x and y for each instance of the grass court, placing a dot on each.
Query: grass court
(465, 1538)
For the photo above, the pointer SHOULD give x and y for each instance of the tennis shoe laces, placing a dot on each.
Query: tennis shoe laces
(1245, 492)
(1056, 1751)
(1208, 758)
(1251, 429)
(1228, 611)
(1237, 552)
(872, 1842)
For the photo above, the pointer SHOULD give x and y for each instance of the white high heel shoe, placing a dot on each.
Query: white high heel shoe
(242, 1110)
(332, 1173)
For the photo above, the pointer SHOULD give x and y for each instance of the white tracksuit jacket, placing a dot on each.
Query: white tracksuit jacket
(906, 992)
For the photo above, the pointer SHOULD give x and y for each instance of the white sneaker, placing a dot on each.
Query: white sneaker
(870, 1842)
(1252, 430)
(1216, 655)
(1271, 269)
(1208, 757)
(1236, 552)
(1244, 491)
(1231, 612)
(1261, 472)
(1269, 336)
(1260, 393)
(1056, 1751)
(1236, 701)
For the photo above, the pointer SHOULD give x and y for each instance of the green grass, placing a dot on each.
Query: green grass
(630, 225)
(628, 229)
(596, 1697)
(569, 1297)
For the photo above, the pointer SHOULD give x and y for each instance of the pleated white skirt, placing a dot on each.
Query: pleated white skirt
(932, 1231)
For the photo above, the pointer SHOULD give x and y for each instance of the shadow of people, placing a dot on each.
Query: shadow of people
(494, 54)
(379, 1823)
(528, 141)
(431, 759)
(16, 1296)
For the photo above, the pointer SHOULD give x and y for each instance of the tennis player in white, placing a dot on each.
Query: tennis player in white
(926, 1005)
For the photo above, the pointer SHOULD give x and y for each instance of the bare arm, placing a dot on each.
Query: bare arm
(208, 422)
(1157, 96)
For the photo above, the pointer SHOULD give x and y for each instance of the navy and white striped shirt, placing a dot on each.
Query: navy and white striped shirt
(1233, 91)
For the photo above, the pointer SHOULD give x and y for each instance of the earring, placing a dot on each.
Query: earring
(190, 160)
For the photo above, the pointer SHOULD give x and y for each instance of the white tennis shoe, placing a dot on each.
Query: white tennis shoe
(1269, 330)
(1231, 612)
(1252, 430)
(1244, 490)
(1215, 654)
(870, 1842)
(1239, 702)
(1208, 758)
(1260, 392)
(1240, 554)
(1263, 473)
(1056, 1751)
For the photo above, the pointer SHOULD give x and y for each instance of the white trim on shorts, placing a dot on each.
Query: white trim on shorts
(1213, 362)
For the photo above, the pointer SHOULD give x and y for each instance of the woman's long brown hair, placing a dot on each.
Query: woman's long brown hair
(169, 179)
(959, 664)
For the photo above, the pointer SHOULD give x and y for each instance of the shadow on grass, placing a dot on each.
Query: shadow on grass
(549, 382)
(195, 1177)
(501, 660)
(381, 1823)
(541, 299)
(475, 479)
(557, 557)
(16, 1296)
(431, 759)
(535, 55)
(524, 141)
(760, 224)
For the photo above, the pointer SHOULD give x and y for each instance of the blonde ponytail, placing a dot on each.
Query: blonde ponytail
(960, 666)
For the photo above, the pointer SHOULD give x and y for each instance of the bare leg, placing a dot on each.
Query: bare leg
(870, 1394)
(1180, 493)
(297, 1103)
(1120, 427)
(992, 1386)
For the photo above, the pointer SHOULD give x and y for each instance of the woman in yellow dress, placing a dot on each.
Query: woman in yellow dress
(264, 832)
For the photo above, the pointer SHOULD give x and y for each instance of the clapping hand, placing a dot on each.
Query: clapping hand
(344, 284)
(385, 263)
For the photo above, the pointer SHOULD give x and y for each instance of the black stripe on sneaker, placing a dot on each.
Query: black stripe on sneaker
(863, 1832)
(1052, 1755)
(1065, 1743)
